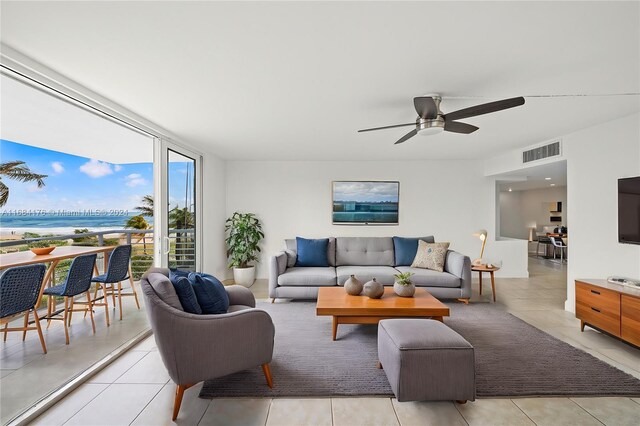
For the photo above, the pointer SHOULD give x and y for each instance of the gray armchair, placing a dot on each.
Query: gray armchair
(195, 348)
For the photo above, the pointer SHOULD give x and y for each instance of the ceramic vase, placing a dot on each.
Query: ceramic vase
(353, 286)
(244, 276)
(404, 290)
(373, 289)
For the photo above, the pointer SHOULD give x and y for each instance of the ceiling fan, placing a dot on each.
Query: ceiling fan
(431, 120)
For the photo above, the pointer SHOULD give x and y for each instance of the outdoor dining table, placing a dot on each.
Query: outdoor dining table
(22, 258)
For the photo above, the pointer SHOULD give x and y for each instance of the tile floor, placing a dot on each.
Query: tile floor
(27, 374)
(135, 388)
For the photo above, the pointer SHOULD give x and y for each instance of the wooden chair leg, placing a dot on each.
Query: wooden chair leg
(35, 315)
(112, 289)
(178, 400)
(267, 374)
(5, 331)
(133, 288)
(64, 319)
(70, 309)
(106, 302)
(120, 298)
(49, 310)
(26, 324)
(90, 309)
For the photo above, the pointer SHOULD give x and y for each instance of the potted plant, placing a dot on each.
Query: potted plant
(41, 247)
(244, 233)
(403, 285)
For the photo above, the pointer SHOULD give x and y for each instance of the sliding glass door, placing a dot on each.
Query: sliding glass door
(179, 207)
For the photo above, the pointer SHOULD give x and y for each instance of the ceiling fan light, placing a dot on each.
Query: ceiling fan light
(430, 131)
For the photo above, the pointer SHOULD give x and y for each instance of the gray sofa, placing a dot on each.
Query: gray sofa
(364, 257)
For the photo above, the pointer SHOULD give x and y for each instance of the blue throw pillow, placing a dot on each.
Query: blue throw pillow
(186, 295)
(211, 295)
(312, 252)
(405, 249)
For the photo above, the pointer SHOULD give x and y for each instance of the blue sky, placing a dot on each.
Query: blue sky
(79, 183)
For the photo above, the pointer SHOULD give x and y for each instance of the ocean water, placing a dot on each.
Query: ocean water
(62, 224)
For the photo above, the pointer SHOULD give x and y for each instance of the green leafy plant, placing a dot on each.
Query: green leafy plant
(138, 222)
(404, 278)
(244, 233)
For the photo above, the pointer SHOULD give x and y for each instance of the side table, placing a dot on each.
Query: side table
(483, 268)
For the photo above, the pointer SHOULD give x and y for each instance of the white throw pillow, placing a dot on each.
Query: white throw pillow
(430, 256)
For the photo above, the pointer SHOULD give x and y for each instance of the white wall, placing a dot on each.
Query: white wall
(596, 158)
(214, 215)
(449, 199)
(520, 210)
(511, 223)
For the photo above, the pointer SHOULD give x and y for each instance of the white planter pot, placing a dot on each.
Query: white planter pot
(244, 276)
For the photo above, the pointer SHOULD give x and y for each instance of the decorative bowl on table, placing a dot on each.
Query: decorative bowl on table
(39, 251)
(41, 247)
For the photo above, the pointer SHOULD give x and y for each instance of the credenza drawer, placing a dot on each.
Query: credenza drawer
(630, 330)
(598, 318)
(600, 298)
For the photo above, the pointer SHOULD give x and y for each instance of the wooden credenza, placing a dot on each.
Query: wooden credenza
(613, 308)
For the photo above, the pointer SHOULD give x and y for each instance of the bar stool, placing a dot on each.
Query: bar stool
(19, 293)
(78, 281)
(119, 269)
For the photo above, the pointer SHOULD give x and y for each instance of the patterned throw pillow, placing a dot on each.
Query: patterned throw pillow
(430, 256)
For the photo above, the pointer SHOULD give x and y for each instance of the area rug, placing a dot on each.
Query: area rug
(513, 359)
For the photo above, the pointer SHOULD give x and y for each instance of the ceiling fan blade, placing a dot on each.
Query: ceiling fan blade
(387, 127)
(457, 127)
(484, 108)
(407, 136)
(425, 107)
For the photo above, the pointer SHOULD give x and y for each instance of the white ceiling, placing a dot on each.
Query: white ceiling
(534, 177)
(33, 117)
(295, 81)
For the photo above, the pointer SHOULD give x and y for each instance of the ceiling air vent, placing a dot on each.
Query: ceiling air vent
(545, 151)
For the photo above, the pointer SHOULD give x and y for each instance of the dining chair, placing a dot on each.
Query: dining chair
(545, 241)
(19, 293)
(78, 282)
(558, 243)
(118, 270)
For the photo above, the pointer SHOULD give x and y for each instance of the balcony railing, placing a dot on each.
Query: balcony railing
(181, 244)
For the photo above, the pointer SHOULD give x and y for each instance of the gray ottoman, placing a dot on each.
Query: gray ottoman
(426, 361)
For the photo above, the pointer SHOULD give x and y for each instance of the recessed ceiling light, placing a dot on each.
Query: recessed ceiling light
(510, 189)
(547, 178)
(553, 184)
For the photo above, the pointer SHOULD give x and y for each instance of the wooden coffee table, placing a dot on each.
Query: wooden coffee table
(346, 309)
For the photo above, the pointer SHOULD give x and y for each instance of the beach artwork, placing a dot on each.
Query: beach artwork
(365, 202)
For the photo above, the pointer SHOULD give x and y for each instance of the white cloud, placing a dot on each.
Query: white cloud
(96, 169)
(117, 167)
(34, 188)
(135, 179)
(57, 167)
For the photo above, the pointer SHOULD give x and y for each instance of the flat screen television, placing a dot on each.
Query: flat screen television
(365, 202)
(629, 210)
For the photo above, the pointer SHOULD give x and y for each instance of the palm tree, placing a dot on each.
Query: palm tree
(17, 170)
(146, 209)
(182, 218)
(138, 222)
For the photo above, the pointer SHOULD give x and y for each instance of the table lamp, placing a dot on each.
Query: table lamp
(482, 234)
